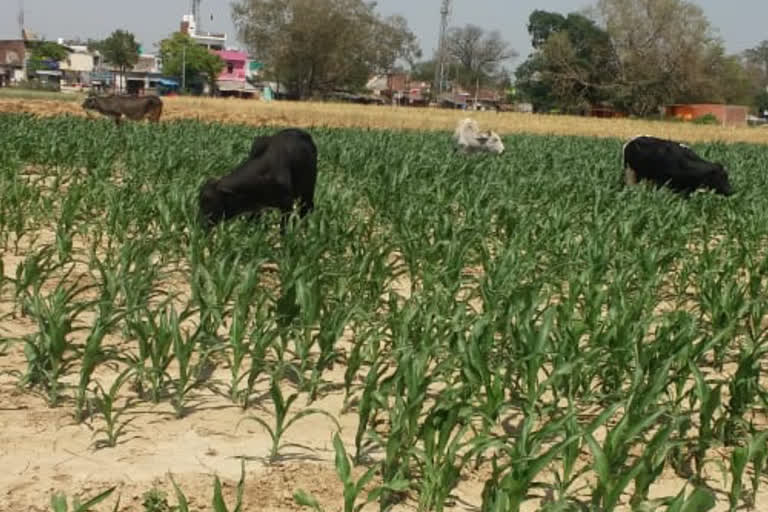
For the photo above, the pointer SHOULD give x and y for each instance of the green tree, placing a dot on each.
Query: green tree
(318, 45)
(119, 49)
(573, 65)
(181, 54)
(42, 52)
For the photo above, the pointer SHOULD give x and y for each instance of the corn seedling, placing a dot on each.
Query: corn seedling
(105, 405)
(281, 415)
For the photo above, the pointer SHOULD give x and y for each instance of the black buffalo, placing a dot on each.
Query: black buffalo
(135, 108)
(665, 162)
(280, 171)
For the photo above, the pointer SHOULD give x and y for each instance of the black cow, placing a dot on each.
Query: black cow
(135, 108)
(665, 162)
(280, 170)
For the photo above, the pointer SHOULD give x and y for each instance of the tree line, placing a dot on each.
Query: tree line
(632, 55)
(636, 56)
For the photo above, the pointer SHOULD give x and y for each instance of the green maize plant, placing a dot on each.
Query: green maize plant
(283, 421)
(156, 332)
(522, 318)
(105, 405)
(352, 488)
(59, 502)
(218, 500)
(507, 489)
(50, 352)
(262, 338)
(93, 354)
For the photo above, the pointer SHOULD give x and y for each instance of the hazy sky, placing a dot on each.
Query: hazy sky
(742, 23)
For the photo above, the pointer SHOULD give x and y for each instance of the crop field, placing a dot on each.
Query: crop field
(443, 332)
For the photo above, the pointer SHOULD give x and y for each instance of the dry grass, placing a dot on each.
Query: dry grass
(309, 114)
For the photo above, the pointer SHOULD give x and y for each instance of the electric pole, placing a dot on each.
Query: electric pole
(196, 12)
(445, 10)
(21, 19)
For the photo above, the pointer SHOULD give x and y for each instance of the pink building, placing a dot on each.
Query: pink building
(235, 69)
(231, 80)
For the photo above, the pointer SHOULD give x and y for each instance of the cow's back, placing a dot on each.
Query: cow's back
(651, 157)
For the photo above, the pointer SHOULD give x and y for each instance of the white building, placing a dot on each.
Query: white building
(210, 40)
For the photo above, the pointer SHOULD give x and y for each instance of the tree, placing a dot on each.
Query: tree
(664, 48)
(478, 55)
(757, 59)
(319, 45)
(424, 71)
(542, 24)
(43, 54)
(119, 49)
(573, 65)
(180, 54)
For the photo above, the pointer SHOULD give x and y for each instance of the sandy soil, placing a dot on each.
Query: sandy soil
(310, 114)
(44, 450)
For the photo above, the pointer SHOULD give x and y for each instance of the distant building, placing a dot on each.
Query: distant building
(76, 69)
(232, 81)
(210, 40)
(399, 88)
(13, 59)
(728, 115)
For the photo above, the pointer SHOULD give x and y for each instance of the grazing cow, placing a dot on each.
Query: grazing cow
(470, 139)
(135, 108)
(280, 169)
(665, 162)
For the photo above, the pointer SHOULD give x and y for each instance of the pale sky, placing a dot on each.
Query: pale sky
(742, 23)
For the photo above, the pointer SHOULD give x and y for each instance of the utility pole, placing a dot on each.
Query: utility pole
(196, 12)
(445, 10)
(21, 19)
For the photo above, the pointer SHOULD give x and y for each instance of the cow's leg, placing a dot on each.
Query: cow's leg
(116, 117)
(630, 176)
(306, 207)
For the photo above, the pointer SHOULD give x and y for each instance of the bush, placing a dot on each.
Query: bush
(706, 119)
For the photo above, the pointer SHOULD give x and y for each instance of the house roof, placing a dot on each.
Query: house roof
(232, 55)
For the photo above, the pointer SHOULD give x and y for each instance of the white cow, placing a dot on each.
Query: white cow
(470, 139)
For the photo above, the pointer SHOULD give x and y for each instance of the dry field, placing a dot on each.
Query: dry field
(314, 114)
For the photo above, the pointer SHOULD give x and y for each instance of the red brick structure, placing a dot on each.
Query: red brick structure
(728, 115)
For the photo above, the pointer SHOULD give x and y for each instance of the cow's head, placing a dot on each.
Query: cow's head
(717, 179)
(90, 103)
(212, 203)
(491, 142)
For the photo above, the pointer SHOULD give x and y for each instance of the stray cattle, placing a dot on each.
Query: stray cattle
(665, 162)
(470, 139)
(135, 108)
(280, 170)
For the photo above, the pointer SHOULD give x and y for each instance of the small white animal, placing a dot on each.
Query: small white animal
(470, 139)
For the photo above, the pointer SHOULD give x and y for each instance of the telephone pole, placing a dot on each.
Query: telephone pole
(445, 10)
